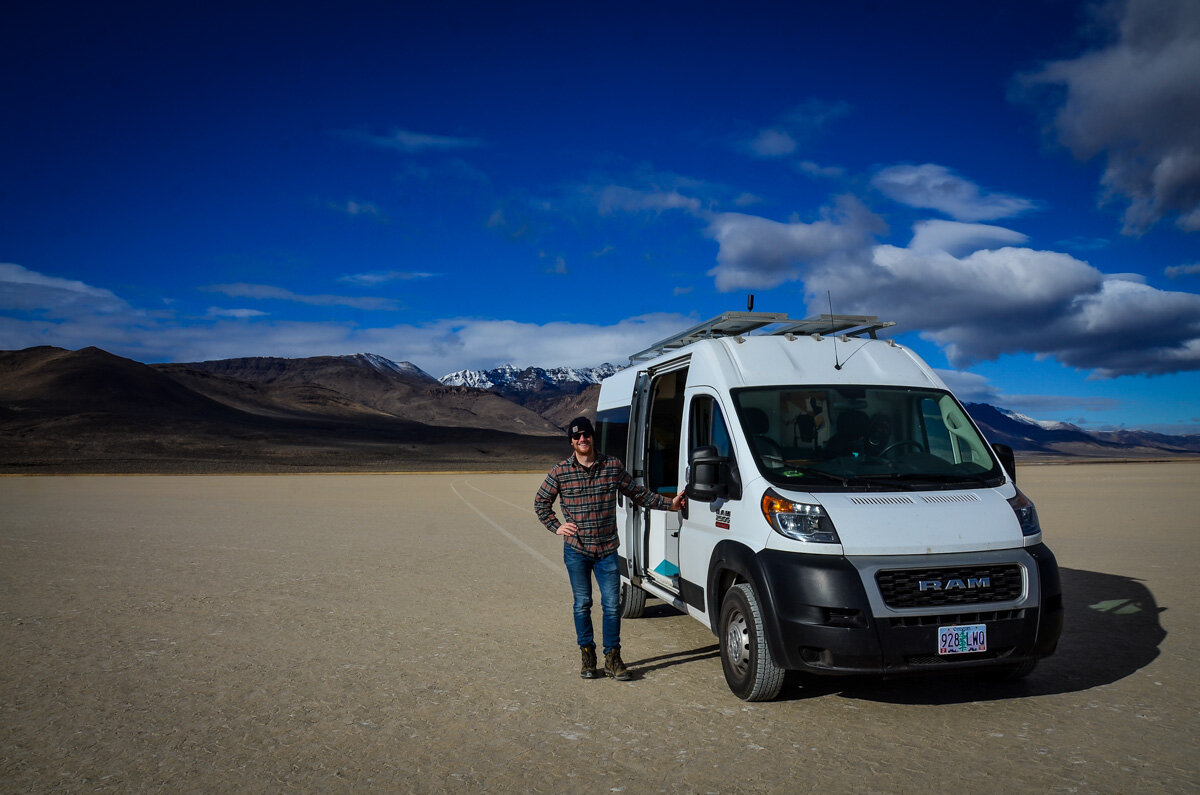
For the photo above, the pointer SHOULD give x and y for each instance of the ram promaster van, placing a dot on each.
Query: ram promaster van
(845, 515)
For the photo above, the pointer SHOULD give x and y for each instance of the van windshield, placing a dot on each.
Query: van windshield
(854, 437)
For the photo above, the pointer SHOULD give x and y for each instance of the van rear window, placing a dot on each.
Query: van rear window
(612, 430)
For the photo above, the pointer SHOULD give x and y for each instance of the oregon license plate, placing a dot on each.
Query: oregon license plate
(962, 639)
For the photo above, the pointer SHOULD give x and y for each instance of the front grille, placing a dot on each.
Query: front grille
(955, 585)
(950, 619)
(951, 659)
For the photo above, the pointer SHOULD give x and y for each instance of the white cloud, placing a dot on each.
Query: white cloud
(935, 187)
(972, 387)
(1137, 102)
(772, 143)
(812, 169)
(216, 311)
(272, 293)
(24, 290)
(453, 344)
(970, 288)
(954, 237)
(47, 310)
(375, 278)
(438, 347)
(1175, 271)
(353, 208)
(1011, 300)
(758, 253)
(412, 142)
(614, 198)
(558, 266)
(797, 126)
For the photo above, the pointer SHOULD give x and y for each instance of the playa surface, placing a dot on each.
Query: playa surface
(413, 633)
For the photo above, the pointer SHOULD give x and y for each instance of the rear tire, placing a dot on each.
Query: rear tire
(633, 601)
(750, 671)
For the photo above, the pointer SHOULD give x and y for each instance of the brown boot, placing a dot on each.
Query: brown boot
(588, 668)
(614, 668)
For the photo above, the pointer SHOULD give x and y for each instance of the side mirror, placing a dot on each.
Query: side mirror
(710, 476)
(1007, 460)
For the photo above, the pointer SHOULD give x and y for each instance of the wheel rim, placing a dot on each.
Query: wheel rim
(737, 643)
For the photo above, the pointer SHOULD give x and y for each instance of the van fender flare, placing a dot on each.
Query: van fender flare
(735, 562)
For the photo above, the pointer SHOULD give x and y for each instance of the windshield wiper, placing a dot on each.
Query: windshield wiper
(978, 479)
(888, 480)
(853, 481)
(916, 480)
(803, 473)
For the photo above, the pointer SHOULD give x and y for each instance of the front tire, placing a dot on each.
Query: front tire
(632, 602)
(750, 671)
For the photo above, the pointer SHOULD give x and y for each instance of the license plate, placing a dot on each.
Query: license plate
(962, 639)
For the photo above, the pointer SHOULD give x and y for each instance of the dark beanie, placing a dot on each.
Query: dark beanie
(580, 425)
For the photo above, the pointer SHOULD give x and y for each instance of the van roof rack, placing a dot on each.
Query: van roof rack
(732, 324)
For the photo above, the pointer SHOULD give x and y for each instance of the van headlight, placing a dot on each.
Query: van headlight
(799, 520)
(1026, 514)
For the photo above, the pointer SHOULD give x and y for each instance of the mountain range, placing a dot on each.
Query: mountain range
(559, 394)
(92, 411)
(1062, 439)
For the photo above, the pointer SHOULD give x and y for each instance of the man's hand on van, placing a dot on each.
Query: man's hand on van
(567, 529)
(678, 501)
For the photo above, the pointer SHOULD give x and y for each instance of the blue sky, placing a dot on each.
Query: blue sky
(470, 184)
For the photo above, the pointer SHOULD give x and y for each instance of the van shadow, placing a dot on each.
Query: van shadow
(659, 610)
(1111, 630)
(650, 664)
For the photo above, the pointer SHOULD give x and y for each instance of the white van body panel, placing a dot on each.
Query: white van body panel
(773, 361)
(923, 523)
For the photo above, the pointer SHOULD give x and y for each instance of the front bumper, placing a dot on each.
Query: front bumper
(827, 615)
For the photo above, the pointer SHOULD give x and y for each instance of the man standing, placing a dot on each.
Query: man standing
(587, 483)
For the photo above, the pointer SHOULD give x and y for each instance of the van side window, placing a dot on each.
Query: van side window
(707, 426)
(612, 432)
(662, 439)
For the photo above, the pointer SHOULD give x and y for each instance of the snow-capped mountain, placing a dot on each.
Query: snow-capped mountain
(1049, 425)
(384, 365)
(1028, 435)
(509, 379)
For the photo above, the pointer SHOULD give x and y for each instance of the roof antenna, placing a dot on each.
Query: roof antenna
(750, 303)
(837, 365)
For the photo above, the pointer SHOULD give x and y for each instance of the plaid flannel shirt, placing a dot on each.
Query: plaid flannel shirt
(588, 497)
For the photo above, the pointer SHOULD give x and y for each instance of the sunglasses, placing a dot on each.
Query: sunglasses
(581, 434)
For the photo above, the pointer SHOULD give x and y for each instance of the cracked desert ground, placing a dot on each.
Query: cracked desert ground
(412, 633)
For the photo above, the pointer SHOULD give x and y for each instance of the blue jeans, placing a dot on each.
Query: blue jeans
(580, 569)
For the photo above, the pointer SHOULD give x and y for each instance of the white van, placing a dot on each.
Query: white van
(845, 515)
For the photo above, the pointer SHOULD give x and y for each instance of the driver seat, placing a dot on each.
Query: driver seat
(757, 425)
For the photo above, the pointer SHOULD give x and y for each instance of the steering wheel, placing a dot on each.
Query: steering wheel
(917, 446)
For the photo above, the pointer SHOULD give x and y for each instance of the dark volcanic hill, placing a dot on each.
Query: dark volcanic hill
(363, 382)
(89, 410)
(53, 382)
